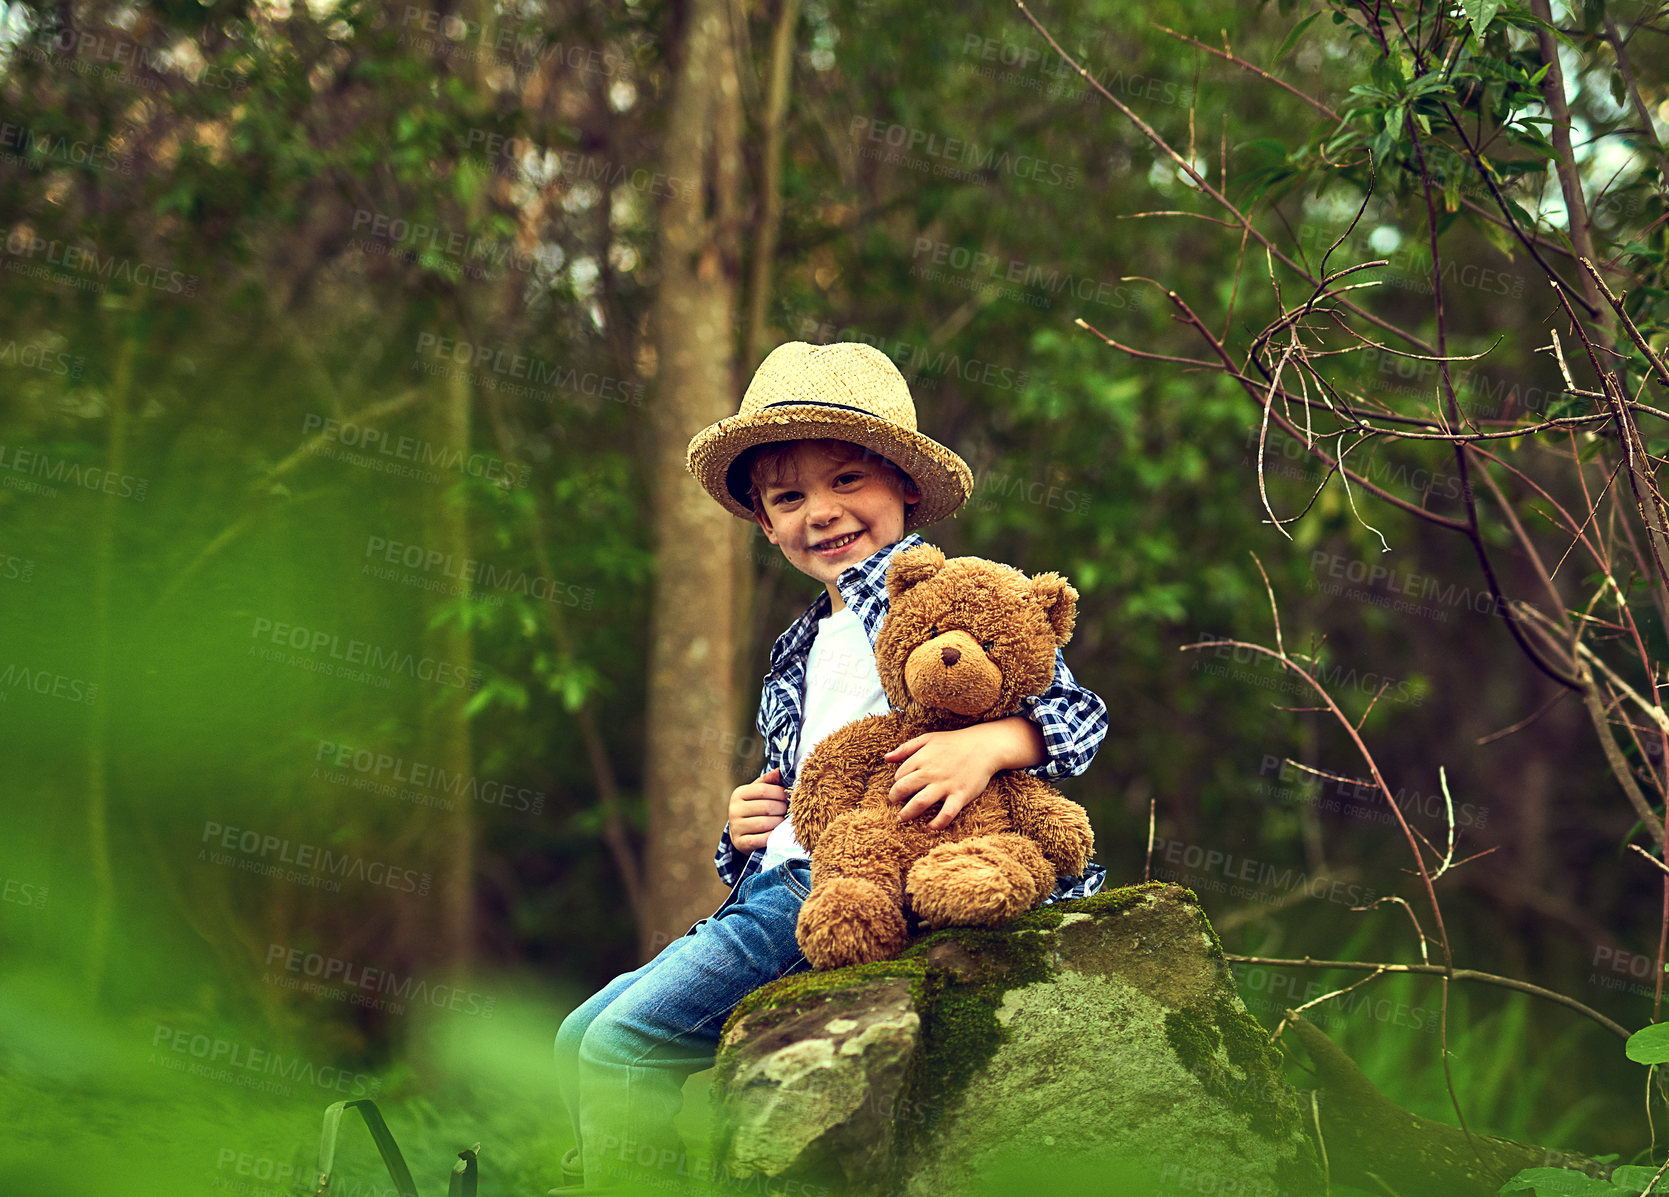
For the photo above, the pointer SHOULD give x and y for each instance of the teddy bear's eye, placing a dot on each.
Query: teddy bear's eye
(933, 631)
(986, 644)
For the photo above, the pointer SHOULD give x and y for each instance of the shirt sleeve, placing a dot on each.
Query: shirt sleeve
(728, 860)
(1073, 721)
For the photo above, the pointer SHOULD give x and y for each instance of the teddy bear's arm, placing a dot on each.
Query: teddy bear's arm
(1058, 826)
(837, 772)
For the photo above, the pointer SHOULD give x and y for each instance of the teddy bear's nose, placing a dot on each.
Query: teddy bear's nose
(950, 655)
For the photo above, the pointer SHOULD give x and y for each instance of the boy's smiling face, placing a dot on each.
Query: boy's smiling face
(830, 506)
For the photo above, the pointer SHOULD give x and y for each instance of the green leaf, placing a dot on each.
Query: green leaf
(1631, 1178)
(1480, 13)
(1291, 39)
(1558, 1182)
(466, 181)
(1649, 1045)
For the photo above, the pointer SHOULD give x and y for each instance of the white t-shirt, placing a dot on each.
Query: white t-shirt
(842, 686)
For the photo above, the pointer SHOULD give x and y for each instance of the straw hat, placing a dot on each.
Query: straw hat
(846, 391)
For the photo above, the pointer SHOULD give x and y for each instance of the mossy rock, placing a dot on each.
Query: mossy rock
(1104, 1033)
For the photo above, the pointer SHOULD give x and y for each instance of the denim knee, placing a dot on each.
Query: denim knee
(570, 1035)
(611, 1040)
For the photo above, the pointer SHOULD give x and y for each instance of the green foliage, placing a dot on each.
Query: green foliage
(1649, 1045)
(1562, 1182)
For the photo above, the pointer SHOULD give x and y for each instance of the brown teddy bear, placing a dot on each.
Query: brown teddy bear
(964, 641)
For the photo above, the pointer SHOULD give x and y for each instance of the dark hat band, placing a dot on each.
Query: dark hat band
(862, 411)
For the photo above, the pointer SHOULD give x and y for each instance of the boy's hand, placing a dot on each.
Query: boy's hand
(755, 808)
(954, 767)
(941, 766)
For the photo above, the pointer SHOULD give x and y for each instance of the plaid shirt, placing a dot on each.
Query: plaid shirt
(1073, 720)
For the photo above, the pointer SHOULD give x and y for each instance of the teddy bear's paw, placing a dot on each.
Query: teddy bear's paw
(970, 884)
(1067, 846)
(848, 920)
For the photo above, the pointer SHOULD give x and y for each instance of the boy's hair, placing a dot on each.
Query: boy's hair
(764, 464)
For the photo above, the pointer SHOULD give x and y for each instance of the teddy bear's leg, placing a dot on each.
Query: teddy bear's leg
(855, 913)
(979, 881)
(1059, 826)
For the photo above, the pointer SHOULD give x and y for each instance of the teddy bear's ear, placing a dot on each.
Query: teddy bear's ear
(912, 566)
(1059, 602)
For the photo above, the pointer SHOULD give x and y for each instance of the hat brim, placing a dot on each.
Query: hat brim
(943, 478)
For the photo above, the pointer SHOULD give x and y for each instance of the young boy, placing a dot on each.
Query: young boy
(825, 456)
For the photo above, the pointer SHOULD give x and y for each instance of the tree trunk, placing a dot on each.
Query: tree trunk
(98, 728)
(1375, 1145)
(446, 731)
(693, 638)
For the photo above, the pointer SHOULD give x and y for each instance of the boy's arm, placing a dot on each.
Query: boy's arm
(728, 859)
(1073, 721)
(1057, 737)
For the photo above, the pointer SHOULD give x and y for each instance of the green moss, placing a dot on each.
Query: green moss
(958, 994)
(1247, 1043)
(1113, 901)
(960, 1008)
(1193, 1038)
(1195, 1033)
(801, 987)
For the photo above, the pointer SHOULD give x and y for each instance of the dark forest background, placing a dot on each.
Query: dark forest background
(349, 570)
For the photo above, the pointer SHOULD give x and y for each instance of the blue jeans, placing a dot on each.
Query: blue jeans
(622, 1056)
